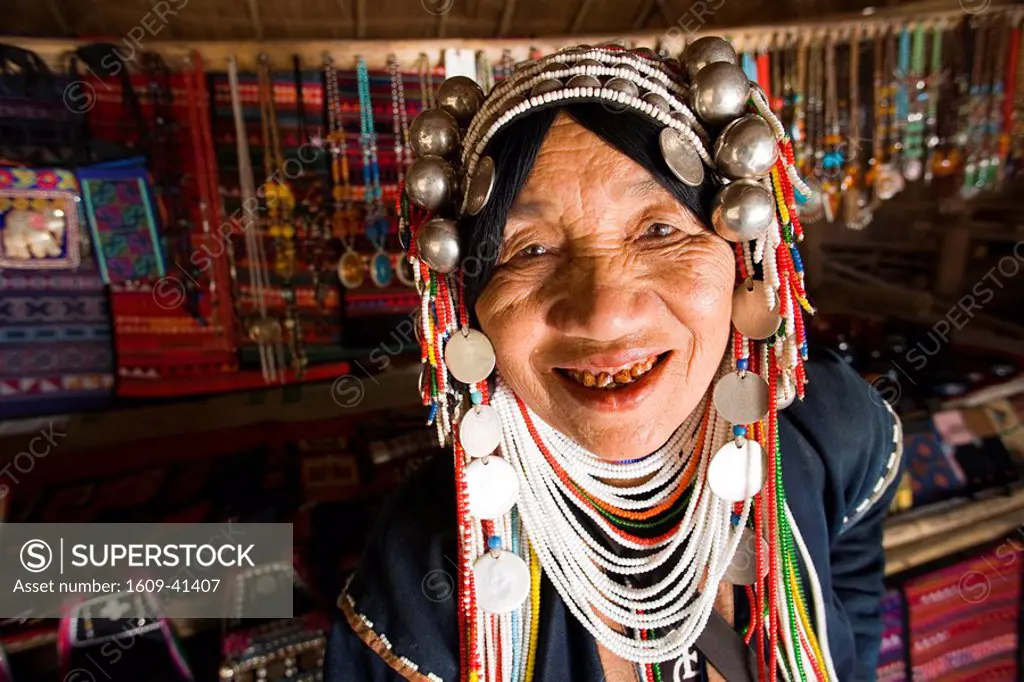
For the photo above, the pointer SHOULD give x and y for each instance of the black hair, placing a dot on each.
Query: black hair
(514, 151)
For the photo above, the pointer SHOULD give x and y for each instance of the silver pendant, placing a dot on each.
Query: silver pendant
(351, 270)
(913, 169)
(888, 182)
(481, 186)
(469, 356)
(492, 487)
(742, 569)
(502, 582)
(736, 472)
(681, 157)
(480, 431)
(750, 313)
(741, 398)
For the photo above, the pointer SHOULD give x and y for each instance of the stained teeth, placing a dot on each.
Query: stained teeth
(621, 377)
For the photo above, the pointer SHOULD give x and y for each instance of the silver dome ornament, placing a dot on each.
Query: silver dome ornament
(623, 85)
(481, 186)
(628, 67)
(434, 133)
(511, 103)
(719, 93)
(681, 157)
(742, 210)
(708, 50)
(438, 245)
(647, 53)
(746, 148)
(461, 97)
(587, 62)
(657, 101)
(543, 87)
(584, 81)
(429, 182)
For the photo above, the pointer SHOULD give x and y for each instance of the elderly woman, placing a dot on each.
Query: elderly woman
(651, 477)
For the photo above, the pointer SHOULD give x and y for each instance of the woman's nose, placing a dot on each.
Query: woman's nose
(597, 304)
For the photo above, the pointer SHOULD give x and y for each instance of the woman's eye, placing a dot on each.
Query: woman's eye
(659, 230)
(531, 251)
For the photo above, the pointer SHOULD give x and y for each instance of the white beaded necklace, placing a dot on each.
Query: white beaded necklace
(578, 564)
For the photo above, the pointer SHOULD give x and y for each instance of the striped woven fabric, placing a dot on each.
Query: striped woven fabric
(964, 618)
(892, 653)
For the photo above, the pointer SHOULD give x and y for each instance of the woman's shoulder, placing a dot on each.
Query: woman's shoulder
(846, 422)
(401, 599)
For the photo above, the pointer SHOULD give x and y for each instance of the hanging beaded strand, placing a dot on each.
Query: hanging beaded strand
(376, 222)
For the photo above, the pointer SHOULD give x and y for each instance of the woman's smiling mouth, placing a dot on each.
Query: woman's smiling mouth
(612, 378)
(613, 387)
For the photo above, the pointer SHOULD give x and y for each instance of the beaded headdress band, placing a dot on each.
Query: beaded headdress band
(716, 124)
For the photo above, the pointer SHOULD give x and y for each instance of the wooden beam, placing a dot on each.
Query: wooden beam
(581, 15)
(643, 14)
(506, 18)
(360, 19)
(58, 16)
(952, 265)
(341, 12)
(254, 17)
(442, 24)
(666, 16)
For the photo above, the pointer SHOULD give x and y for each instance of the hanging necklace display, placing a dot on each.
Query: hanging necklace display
(831, 163)
(426, 75)
(1013, 121)
(934, 79)
(484, 71)
(888, 180)
(916, 86)
(806, 122)
(972, 135)
(856, 215)
(265, 331)
(377, 225)
(992, 160)
(351, 269)
(403, 156)
(278, 195)
(280, 202)
(506, 65)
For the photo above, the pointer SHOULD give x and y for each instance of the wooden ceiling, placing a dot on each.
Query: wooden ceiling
(170, 20)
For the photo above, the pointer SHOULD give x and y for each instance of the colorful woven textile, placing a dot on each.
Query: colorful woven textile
(963, 619)
(55, 346)
(935, 474)
(892, 653)
(123, 223)
(38, 219)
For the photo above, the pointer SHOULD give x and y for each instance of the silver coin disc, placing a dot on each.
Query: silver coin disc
(681, 157)
(469, 356)
(492, 487)
(750, 313)
(502, 582)
(736, 472)
(480, 431)
(741, 398)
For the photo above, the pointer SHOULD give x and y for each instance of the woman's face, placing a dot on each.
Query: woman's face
(609, 309)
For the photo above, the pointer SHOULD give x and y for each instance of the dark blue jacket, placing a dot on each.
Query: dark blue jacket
(841, 454)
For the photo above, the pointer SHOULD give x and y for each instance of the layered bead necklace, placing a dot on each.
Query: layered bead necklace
(561, 480)
(382, 271)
